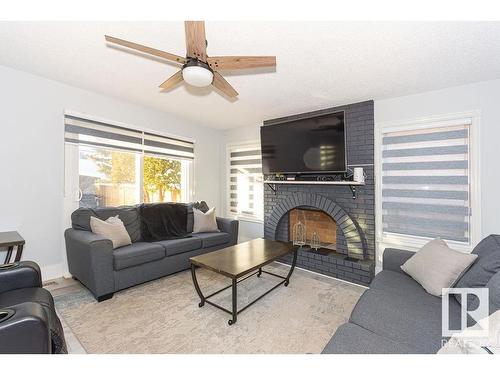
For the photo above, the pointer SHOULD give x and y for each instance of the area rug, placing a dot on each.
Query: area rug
(163, 316)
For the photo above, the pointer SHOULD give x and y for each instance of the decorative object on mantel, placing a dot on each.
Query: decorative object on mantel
(315, 242)
(198, 69)
(11, 240)
(299, 233)
(358, 175)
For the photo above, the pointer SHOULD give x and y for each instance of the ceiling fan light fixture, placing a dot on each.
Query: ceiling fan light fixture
(197, 74)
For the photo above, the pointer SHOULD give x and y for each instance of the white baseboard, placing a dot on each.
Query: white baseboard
(53, 271)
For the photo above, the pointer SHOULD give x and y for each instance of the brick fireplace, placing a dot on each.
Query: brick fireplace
(346, 226)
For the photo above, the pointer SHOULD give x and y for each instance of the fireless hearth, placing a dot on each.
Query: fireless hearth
(320, 229)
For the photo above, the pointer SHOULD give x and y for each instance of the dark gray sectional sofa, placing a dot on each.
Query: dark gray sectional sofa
(92, 260)
(396, 315)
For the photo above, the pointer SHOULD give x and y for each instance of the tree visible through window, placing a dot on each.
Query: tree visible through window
(113, 178)
(162, 180)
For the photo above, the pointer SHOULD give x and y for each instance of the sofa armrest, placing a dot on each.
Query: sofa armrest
(393, 259)
(24, 329)
(229, 226)
(90, 260)
(23, 274)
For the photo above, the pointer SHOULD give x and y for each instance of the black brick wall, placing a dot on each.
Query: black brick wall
(360, 152)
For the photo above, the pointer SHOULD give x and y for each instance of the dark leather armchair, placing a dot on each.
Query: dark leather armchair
(28, 320)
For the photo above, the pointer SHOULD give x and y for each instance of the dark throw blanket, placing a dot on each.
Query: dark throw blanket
(163, 221)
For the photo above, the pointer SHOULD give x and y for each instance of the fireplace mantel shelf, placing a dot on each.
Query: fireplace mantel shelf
(352, 184)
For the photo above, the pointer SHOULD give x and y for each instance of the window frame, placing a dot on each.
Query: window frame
(411, 242)
(242, 217)
(72, 157)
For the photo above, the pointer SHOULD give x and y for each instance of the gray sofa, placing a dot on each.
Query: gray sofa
(396, 315)
(92, 260)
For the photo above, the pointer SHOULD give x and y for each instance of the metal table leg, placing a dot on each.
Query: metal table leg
(294, 261)
(196, 286)
(9, 254)
(235, 303)
(19, 253)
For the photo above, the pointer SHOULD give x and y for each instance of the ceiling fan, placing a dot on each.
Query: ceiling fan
(198, 69)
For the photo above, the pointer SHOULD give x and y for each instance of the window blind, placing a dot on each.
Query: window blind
(78, 130)
(425, 182)
(246, 195)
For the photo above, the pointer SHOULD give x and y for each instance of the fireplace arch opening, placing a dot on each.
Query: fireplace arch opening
(349, 237)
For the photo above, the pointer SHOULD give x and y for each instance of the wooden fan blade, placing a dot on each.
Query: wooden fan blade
(240, 62)
(145, 49)
(172, 81)
(196, 43)
(224, 86)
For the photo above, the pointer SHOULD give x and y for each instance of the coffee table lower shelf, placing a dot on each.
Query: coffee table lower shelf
(234, 293)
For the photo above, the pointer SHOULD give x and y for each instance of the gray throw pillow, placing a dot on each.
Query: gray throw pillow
(435, 266)
(201, 205)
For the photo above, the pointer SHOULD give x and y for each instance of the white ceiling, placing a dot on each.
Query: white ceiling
(318, 64)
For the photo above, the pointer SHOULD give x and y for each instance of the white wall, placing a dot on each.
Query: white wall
(483, 97)
(32, 156)
(248, 229)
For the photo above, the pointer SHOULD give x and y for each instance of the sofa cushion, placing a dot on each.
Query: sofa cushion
(398, 283)
(180, 245)
(17, 296)
(494, 293)
(487, 265)
(213, 239)
(136, 254)
(353, 339)
(413, 320)
(80, 218)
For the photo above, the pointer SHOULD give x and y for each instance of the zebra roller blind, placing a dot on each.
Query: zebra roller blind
(79, 130)
(425, 182)
(246, 195)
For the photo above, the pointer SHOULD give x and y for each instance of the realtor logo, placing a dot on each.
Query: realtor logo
(481, 313)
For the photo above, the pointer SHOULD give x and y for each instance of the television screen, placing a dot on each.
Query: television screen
(311, 145)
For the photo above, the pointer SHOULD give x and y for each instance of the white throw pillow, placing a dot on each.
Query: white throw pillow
(112, 229)
(435, 266)
(468, 342)
(204, 221)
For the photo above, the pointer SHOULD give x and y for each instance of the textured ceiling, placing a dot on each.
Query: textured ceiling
(319, 64)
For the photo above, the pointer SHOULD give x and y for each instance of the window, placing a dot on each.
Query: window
(108, 177)
(246, 190)
(426, 181)
(121, 166)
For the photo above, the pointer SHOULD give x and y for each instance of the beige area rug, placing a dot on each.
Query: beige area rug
(163, 316)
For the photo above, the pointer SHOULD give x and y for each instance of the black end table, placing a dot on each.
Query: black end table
(9, 240)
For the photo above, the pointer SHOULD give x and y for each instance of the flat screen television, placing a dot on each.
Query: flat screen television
(315, 145)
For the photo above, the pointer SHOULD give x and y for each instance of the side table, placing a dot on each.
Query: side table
(11, 240)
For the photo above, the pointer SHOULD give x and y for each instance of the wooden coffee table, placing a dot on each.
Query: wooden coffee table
(239, 262)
